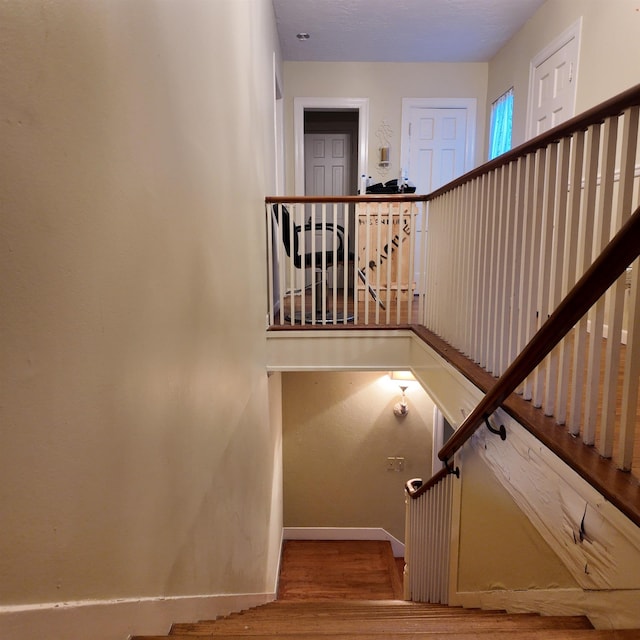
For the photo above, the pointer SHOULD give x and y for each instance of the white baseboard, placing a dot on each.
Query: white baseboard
(116, 619)
(605, 332)
(344, 533)
(615, 609)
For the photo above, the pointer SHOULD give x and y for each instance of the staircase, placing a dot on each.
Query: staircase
(338, 591)
(387, 620)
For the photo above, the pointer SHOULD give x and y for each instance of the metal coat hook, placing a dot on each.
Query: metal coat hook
(501, 431)
(451, 470)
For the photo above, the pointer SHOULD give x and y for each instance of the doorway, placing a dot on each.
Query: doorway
(302, 107)
(323, 128)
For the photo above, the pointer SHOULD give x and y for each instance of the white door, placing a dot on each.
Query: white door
(327, 165)
(553, 83)
(437, 153)
(437, 141)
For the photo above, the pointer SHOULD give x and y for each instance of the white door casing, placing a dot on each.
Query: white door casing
(302, 104)
(552, 82)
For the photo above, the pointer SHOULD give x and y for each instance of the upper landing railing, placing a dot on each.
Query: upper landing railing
(339, 260)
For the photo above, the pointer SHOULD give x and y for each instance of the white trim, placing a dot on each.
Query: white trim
(555, 45)
(117, 619)
(470, 104)
(616, 177)
(605, 332)
(344, 533)
(614, 609)
(278, 129)
(299, 106)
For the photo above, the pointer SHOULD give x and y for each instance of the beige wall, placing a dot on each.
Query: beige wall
(384, 84)
(137, 457)
(499, 547)
(608, 58)
(338, 431)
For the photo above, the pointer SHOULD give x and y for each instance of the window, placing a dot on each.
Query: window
(501, 124)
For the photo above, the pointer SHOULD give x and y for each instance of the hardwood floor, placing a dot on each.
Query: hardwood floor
(361, 570)
(366, 312)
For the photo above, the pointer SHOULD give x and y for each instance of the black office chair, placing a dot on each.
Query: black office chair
(318, 259)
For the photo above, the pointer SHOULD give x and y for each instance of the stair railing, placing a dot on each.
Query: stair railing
(505, 243)
(607, 268)
(428, 513)
(429, 505)
(508, 241)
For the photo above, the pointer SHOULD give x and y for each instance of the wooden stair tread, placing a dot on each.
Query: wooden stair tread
(347, 614)
(364, 625)
(370, 612)
(344, 569)
(547, 634)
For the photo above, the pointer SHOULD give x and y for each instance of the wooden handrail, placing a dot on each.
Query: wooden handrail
(612, 107)
(623, 249)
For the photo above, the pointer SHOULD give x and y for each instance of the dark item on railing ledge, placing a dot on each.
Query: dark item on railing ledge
(413, 485)
(318, 259)
(416, 487)
(391, 187)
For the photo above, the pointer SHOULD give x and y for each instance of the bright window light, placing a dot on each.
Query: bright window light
(501, 124)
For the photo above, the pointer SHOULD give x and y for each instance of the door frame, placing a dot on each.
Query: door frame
(470, 104)
(573, 31)
(337, 104)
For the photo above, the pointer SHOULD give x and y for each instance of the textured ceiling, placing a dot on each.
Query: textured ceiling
(399, 30)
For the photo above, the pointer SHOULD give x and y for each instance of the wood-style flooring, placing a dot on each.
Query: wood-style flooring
(337, 569)
(366, 312)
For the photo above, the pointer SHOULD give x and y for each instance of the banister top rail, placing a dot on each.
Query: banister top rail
(373, 197)
(612, 107)
(623, 249)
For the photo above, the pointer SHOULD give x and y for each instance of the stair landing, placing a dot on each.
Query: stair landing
(344, 569)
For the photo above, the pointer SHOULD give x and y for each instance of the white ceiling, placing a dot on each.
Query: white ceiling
(399, 30)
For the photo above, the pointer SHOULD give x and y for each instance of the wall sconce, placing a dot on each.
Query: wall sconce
(384, 157)
(404, 379)
(401, 408)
